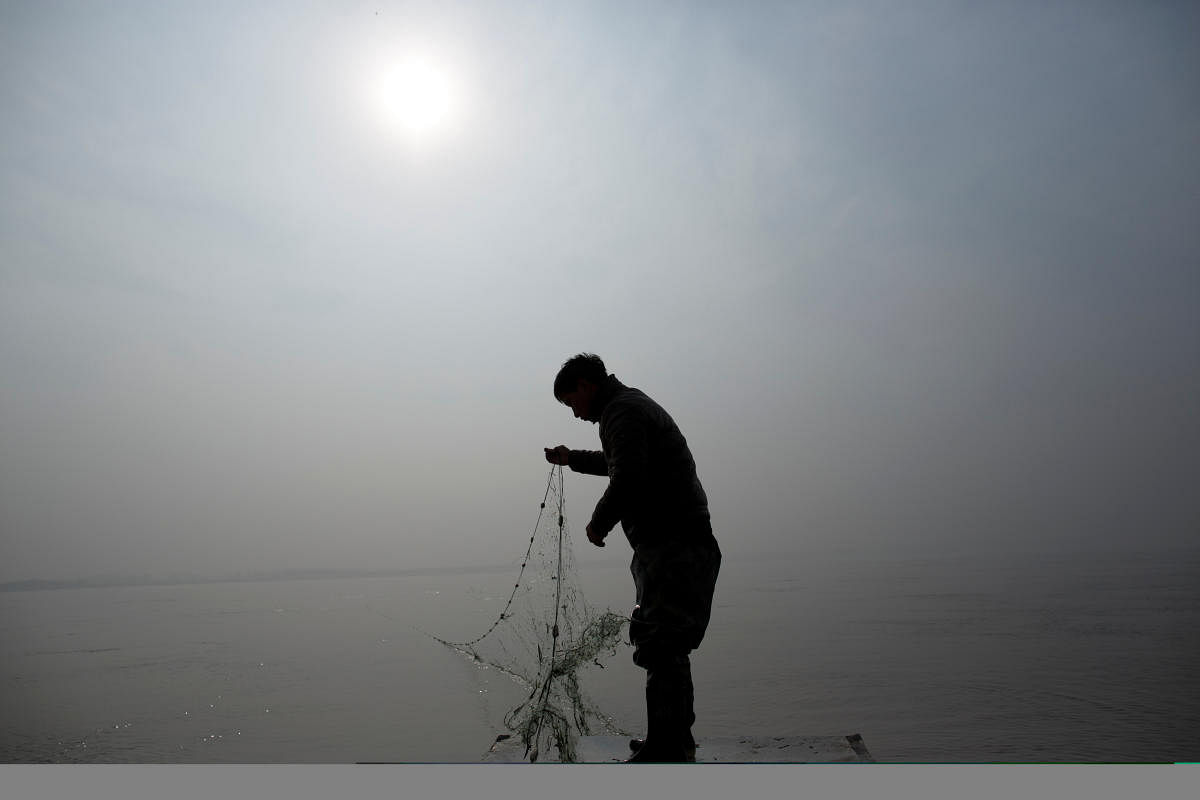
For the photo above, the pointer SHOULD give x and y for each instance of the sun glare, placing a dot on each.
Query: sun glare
(417, 96)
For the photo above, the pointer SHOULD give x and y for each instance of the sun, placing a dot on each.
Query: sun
(418, 96)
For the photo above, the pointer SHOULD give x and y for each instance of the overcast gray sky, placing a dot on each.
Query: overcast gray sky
(908, 275)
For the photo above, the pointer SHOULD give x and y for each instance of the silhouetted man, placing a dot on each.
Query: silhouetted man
(653, 491)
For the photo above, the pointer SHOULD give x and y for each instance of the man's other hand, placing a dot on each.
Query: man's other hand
(558, 455)
(593, 537)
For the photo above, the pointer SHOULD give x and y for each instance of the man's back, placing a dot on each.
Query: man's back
(653, 485)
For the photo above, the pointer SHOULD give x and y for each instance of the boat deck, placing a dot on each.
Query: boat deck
(717, 750)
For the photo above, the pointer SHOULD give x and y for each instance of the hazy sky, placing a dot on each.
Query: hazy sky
(908, 275)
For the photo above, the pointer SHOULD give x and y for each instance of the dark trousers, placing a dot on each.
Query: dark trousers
(675, 579)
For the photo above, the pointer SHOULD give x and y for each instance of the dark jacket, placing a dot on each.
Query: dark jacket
(653, 490)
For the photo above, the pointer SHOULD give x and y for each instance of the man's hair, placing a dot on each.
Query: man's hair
(585, 366)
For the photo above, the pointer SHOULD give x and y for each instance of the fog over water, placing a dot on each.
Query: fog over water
(912, 277)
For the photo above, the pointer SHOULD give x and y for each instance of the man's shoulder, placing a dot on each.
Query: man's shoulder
(629, 403)
(631, 397)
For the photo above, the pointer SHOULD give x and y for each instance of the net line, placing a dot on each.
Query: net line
(525, 561)
(545, 636)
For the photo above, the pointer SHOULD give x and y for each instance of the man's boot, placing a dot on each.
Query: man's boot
(689, 747)
(669, 714)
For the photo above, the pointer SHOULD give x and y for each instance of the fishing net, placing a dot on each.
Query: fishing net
(546, 636)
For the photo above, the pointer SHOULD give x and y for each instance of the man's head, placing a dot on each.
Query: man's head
(578, 382)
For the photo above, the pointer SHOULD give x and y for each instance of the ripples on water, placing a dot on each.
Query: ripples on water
(933, 660)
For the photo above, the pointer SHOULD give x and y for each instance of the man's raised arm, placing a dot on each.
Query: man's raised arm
(589, 462)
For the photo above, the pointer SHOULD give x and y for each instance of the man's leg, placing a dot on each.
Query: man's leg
(669, 710)
(674, 589)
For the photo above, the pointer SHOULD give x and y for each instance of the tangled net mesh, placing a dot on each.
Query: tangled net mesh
(546, 636)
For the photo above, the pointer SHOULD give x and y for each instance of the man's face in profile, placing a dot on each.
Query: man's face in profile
(580, 400)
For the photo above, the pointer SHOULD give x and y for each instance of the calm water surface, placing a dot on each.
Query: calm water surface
(1067, 657)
